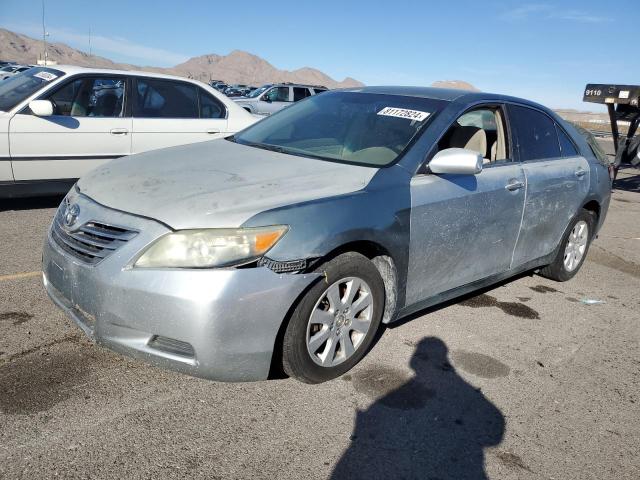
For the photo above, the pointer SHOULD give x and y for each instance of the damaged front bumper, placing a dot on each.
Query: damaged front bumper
(219, 324)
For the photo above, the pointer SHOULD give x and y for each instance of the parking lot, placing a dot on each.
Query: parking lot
(530, 379)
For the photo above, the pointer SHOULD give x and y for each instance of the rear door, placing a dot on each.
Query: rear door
(171, 112)
(557, 181)
(89, 127)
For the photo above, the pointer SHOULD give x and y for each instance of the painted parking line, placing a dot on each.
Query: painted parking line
(17, 276)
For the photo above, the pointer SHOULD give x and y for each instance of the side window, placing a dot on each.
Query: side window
(537, 137)
(567, 148)
(165, 99)
(300, 93)
(481, 130)
(278, 94)
(319, 90)
(90, 97)
(210, 107)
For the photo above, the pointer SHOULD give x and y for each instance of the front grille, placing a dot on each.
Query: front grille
(91, 242)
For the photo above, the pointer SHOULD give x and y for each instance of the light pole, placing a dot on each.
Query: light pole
(44, 36)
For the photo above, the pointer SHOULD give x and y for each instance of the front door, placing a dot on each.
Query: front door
(88, 127)
(464, 227)
(274, 100)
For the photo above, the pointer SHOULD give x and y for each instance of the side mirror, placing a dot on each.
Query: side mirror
(266, 98)
(456, 161)
(41, 108)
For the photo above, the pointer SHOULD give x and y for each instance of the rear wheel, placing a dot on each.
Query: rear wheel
(334, 324)
(573, 248)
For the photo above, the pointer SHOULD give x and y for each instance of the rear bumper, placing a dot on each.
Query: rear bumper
(215, 324)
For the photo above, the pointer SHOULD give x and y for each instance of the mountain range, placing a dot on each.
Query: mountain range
(236, 67)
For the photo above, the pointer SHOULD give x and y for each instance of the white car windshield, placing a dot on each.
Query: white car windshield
(368, 129)
(15, 89)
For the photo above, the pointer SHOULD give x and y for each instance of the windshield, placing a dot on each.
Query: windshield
(15, 89)
(361, 128)
(258, 91)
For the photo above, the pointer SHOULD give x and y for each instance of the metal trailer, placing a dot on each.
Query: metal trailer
(623, 103)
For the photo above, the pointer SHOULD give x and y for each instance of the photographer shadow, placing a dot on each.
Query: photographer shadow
(433, 426)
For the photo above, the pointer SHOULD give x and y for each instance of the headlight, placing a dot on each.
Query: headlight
(210, 248)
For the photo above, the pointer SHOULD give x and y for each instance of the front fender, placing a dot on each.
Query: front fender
(378, 214)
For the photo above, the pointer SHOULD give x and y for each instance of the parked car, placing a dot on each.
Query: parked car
(234, 92)
(59, 123)
(11, 70)
(221, 87)
(289, 243)
(270, 98)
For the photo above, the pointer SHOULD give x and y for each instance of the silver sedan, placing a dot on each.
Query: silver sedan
(284, 247)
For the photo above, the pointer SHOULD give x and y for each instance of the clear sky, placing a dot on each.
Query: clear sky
(543, 50)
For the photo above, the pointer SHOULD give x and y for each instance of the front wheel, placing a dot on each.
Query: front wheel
(334, 324)
(573, 248)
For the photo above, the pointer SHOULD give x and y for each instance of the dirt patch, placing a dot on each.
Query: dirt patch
(511, 460)
(606, 259)
(391, 387)
(16, 318)
(510, 308)
(479, 364)
(543, 289)
(35, 383)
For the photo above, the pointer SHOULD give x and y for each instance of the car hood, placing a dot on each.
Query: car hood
(216, 184)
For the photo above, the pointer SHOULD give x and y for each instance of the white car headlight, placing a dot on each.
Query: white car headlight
(210, 248)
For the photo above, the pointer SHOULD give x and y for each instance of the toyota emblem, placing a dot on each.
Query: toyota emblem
(71, 212)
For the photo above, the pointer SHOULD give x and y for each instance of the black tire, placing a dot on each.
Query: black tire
(296, 359)
(556, 270)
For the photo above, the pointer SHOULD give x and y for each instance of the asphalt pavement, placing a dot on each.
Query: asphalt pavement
(530, 379)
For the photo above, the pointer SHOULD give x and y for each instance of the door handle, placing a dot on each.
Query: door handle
(119, 131)
(212, 131)
(581, 172)
(514, 185)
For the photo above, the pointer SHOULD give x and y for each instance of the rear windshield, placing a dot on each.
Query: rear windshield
(15, 89)
(350, 127)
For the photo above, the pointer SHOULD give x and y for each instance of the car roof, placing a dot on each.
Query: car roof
(72, 70)
(447, 94)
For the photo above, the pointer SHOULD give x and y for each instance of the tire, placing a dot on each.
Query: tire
(559, 270)
(335, 324)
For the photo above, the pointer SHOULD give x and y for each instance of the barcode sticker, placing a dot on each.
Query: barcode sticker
(45, 76)
(404, 113)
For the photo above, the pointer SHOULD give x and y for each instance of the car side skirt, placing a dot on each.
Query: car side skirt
(473, 286)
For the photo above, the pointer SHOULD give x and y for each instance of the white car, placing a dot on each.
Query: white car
(58, 123)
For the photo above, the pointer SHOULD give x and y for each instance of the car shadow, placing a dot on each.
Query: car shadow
(434, 425)
(32, 203)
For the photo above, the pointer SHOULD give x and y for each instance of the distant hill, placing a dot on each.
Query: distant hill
(237, 67)
(455, 84)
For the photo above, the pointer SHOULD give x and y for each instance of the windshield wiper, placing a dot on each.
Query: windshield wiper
(266, 146)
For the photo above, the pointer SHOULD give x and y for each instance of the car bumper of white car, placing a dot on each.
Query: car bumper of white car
(219, 324)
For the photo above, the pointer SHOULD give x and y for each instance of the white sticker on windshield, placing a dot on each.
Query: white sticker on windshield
(404, 113)
(45, 76)
(624, 94)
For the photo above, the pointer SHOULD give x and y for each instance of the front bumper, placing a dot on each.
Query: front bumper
(228, 317)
